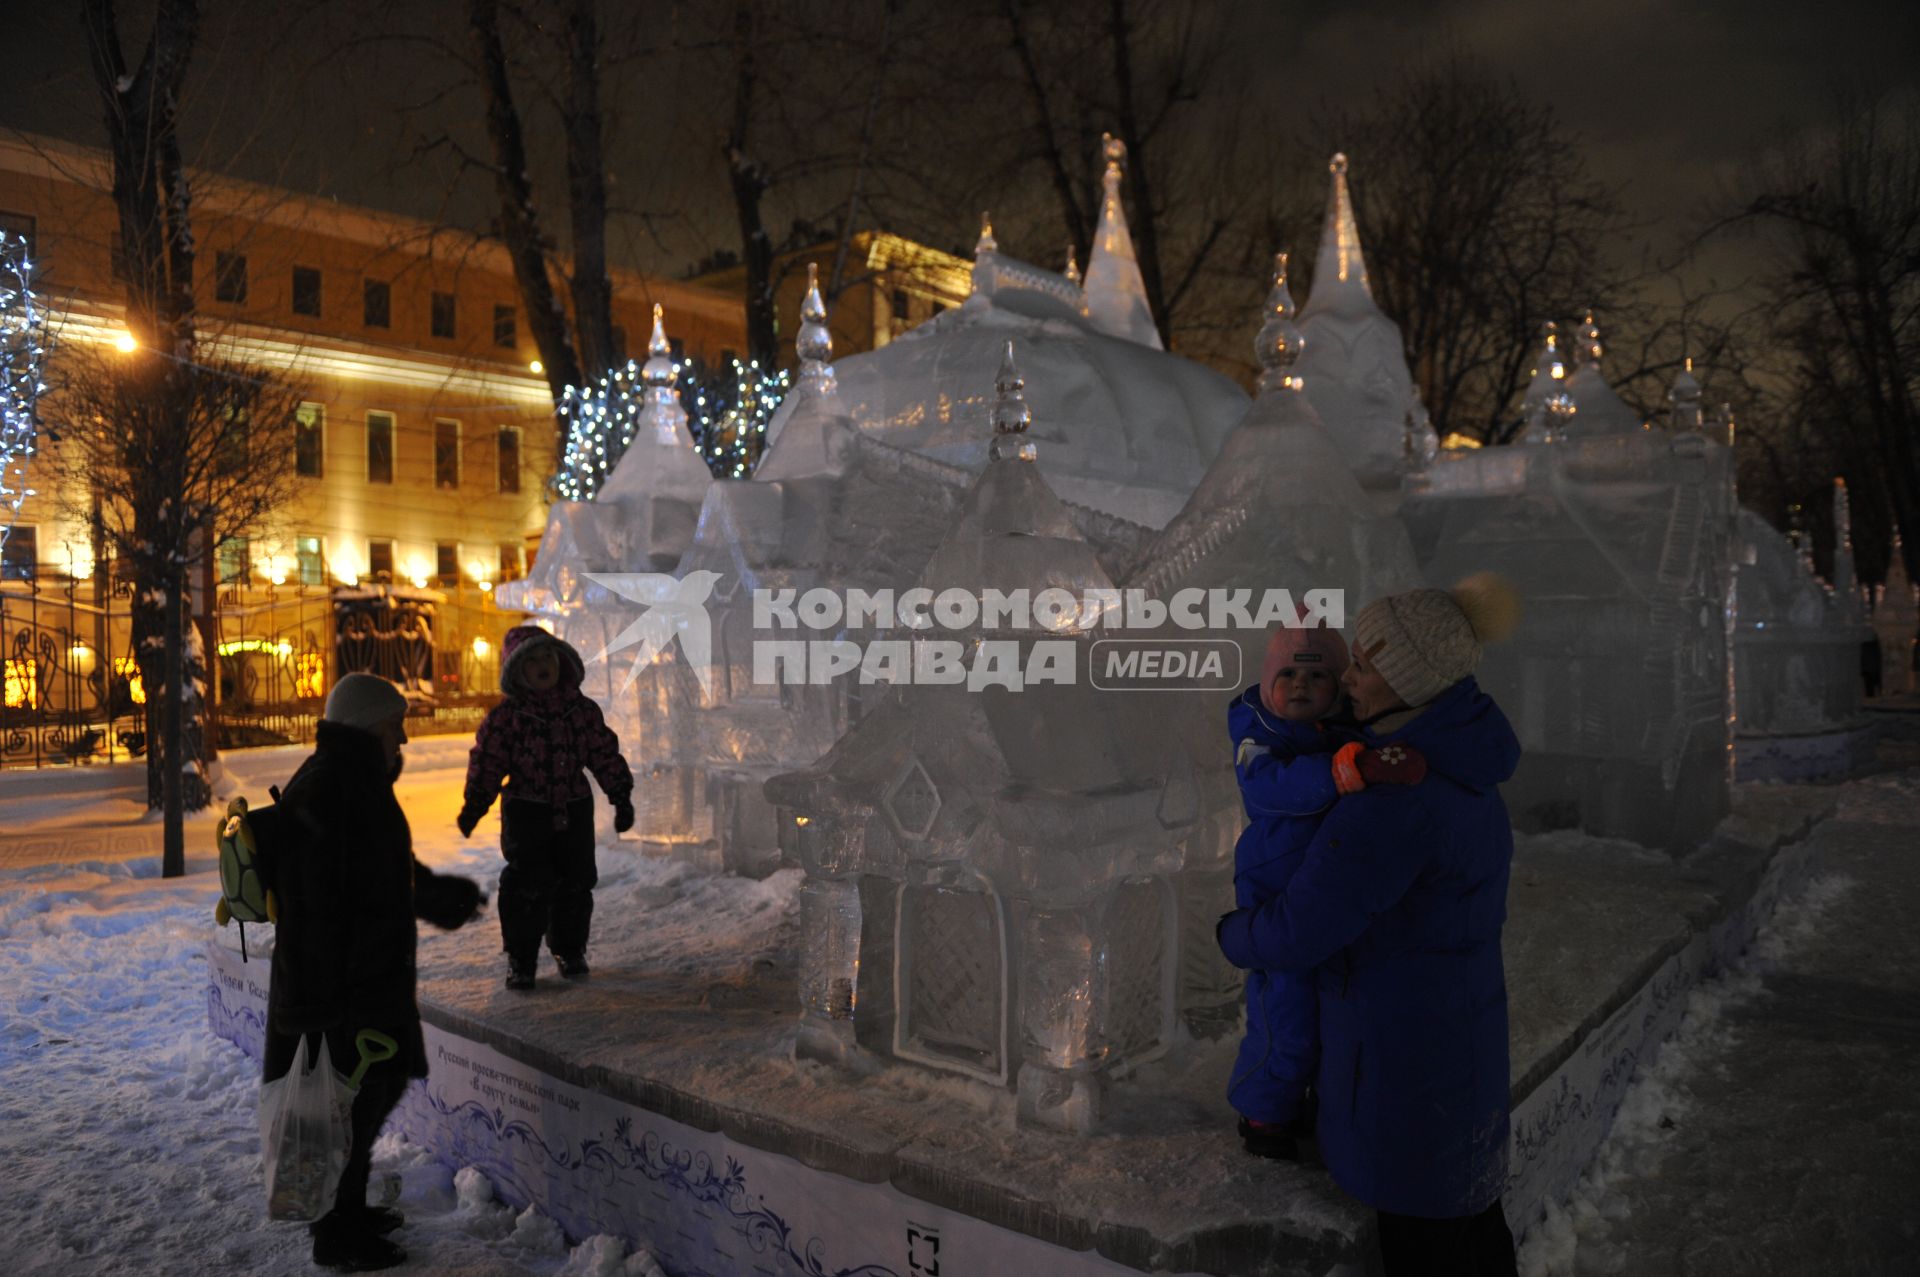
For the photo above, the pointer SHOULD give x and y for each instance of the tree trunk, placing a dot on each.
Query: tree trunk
(173, 856)
(519, 221)
(749, 182)
(587, 197)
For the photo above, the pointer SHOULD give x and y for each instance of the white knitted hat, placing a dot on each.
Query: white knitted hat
(365, 701)
(1424, 641)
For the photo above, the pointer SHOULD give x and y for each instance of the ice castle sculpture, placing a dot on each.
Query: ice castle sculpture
(831, 506)
(993, 876)
(642, 517)
(1127, 427)
(1620, 539)
(1354, 364)
(1896, 615)
(1797, 656)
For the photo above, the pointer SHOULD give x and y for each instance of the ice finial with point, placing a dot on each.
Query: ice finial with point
(813, 343)
(1073, 267)
(661, 410)
(1685, 398)
(1279, 341)
(1549, 406)
(986, 243)
(1011, 415)
(1589, 350)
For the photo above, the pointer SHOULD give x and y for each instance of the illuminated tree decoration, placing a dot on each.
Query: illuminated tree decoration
(727, 415)
(23, 353)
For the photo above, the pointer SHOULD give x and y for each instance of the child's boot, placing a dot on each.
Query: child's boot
(572, 965)
(519, 974)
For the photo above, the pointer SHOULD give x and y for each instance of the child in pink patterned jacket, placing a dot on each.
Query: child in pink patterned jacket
(540, 740)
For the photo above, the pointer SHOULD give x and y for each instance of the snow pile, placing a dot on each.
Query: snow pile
(1576, 1237)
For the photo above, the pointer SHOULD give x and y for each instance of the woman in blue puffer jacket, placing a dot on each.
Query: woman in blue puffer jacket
(1397, 907)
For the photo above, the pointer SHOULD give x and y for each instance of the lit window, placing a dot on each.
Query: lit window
(309, 440)
(230, 561)
(313, 563)
(380, 560)
(509, 561)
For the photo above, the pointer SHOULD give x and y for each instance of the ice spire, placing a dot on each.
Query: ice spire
(984, 249)
(1073, 267)
(1423, 445)
(1548, 407)
(663, 414)
(1011, 415)
(1598, 409)
(1685, 398)
(1116, 297)
(813, 343)
(1340, 271)
(1843, 578)
(1588, 349)
(1279, 342)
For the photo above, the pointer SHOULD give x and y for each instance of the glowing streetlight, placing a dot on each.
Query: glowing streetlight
(125, 342)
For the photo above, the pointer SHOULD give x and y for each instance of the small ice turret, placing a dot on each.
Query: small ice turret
(663, 417)
(1278, 343)
(1116, 296)
(1845, 587)
(813, 343)
(1354, 362)
(1598, 410)
(1548, 409)
(1072, 272)
(1896, 615)
(810, 433)
(1685, 398)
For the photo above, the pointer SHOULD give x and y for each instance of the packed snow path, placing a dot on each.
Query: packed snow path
(1780, 1131)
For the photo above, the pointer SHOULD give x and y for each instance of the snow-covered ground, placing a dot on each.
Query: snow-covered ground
(127, 1131)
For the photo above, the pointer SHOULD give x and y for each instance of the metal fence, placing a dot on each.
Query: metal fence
(73, 691)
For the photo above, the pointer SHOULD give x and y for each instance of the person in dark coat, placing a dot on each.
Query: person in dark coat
(541, 740)
(1397, 907)
(344, 948)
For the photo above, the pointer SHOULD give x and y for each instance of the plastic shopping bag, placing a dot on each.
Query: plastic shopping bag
(306, 1126)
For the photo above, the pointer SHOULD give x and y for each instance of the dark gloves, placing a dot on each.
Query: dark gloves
(448, 901)
(622, 815)
(1355, 767)
(467, 819)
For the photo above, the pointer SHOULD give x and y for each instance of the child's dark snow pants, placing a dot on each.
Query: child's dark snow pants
(547, 886)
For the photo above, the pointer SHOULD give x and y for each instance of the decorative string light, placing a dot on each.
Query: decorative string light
(23, 354)
(727, 415)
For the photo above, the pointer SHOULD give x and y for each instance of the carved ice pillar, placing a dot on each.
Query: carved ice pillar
(830, 932)
(1061, 1043)
(1097, 994)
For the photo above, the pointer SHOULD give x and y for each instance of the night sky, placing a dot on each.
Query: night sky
(1672, 99)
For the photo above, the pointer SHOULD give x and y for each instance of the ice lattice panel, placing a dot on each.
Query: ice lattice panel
(951, 949)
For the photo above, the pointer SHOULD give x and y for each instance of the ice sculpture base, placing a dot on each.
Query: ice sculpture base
(661, 1103)
(1804, 756)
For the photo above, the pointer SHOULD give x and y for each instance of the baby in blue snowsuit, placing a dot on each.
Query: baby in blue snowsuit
(1294, 755)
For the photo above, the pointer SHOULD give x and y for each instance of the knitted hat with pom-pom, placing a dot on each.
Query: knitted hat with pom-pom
(1424, 641)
